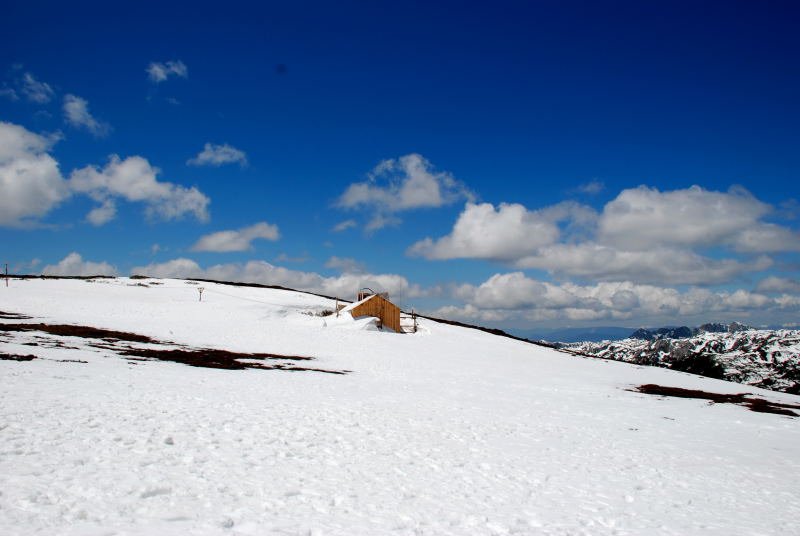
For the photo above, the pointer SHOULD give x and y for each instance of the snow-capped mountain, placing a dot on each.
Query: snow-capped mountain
(734, 352)
(131, 407)
(684, 332)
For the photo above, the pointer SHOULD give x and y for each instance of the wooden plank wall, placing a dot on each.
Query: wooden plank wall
(388, 312)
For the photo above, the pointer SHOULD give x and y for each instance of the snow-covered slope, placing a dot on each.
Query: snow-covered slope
(448, 431)
(763, 358)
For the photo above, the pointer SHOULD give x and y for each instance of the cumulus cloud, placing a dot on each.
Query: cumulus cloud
(158, 72)
(505, 233)
(767, 237)
(790, 302)
(406, 183)
(515, 295)
(30, 181)
(659, 265)
(238, 240)
(643, 235)
(76, 113)
(135, 180)
(73, 264)
(345, 285)
(778, 284)
(217, 155)
(31, 184)
(35, 90)
(642, 217)
(103, 214)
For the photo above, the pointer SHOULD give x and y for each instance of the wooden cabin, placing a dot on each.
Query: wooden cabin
(387, 313)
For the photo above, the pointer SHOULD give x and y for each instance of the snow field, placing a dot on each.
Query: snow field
(449, 431)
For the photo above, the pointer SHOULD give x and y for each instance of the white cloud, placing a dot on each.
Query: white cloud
(514, 295)
(345, 285)
(643, 235)
(788, 302)
(134, 179)
(9, 94)
(76, 113)
(405, 183)
(742, 299)
(342, 226)
(238, 240)
(593, 187)
(25, 267)
(103, 214)
(285, 257)
(506, 233)
(767, 237)
(178, 268)
(158, 72)
(73, 264)
(346, 265)
(31, 184)
(640, 218)
(778, 284)
(379, 221)
(30, 181)
(34, 90)
(659, 265)
(217, 155)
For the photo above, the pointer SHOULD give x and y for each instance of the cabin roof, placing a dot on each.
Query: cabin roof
(357, 303)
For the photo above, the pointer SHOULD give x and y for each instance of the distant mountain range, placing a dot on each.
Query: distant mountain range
(684, 332)
(759, 357)
(611, 333)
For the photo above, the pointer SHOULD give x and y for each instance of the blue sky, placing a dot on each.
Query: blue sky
(519, 164)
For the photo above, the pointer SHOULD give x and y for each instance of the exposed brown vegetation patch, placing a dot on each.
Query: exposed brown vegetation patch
(17, 357)
(222, 359)
(110, 340)
(13, 316)
(747, 400)
(76, 277)
(85, 332)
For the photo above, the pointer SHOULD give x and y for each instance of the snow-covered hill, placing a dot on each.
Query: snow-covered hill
(129, 407)
(762, 358)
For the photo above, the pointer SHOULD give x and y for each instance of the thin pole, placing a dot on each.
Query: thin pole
(6, 275)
